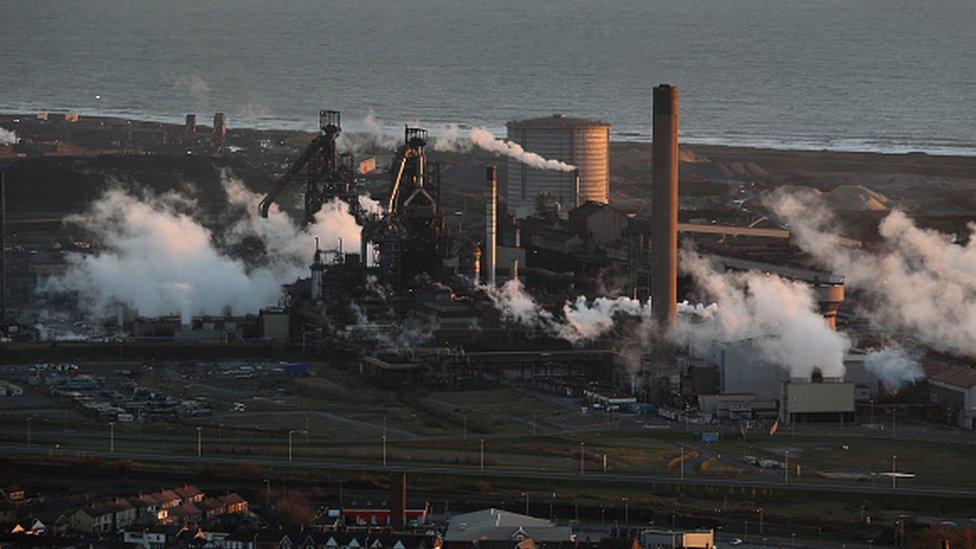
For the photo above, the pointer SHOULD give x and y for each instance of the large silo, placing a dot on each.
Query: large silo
(578, 141)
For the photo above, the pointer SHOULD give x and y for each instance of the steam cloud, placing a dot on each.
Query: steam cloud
(894, 366)
(157, 258)
(368, 136)
(919, 281)
(780, 317)
(453, 140)
(8, 137)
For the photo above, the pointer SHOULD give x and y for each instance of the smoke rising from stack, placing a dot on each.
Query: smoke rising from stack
(156, 257)
(918, 281)
(368, 136)
(779, 316)
(454, 140)
(894, 366)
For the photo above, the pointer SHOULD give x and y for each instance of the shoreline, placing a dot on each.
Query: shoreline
(357, 126)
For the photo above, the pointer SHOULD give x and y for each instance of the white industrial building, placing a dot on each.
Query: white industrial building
(580, 142)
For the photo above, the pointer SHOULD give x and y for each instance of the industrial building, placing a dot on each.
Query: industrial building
(817, 399)
(580, 142)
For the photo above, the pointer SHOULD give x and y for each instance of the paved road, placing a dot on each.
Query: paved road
(508, 472)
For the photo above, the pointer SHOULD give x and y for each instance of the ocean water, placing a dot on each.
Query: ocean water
(883, 75)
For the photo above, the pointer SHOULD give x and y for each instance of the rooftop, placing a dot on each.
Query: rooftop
(556, 121)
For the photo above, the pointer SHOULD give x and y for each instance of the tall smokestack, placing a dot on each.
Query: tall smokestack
(3, 249)
(664, 221)
(491, 223)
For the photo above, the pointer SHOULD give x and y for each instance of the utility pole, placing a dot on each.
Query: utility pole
(384, 450)
(582, 459)
(894, 422)
(111, 437)
(290, 433)
(482, 454)
(760, 520)
(894, 472)
(526, 494)
(604, 463)
(786, 467)
(626, 511)
(307, 431)
(199, 442)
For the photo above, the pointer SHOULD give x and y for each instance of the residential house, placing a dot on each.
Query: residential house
(189, 494)
(154, 537)
(234, 503)
(94, 517)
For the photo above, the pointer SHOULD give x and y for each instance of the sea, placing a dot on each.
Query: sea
(863, 75)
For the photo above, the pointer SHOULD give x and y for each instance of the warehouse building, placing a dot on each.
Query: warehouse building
(817, 399)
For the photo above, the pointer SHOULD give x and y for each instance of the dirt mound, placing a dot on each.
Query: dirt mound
(857, 198)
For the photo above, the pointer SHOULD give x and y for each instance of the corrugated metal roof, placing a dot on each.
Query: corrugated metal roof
(949, 374)
(556, 121)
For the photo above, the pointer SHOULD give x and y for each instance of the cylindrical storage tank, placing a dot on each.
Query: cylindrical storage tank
(579, 142)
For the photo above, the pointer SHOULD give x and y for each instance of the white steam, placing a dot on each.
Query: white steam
(894, 366)
(778, 315)
(586, 320)
(284, 241)
(157, 258)
(455, 141)
(8, 137)
(367, 136)
(919, 281)
(516, 305)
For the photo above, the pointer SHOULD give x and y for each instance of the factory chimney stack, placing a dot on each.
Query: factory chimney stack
(3, 249)
(398, 502)
(664, 221)
(491, 224)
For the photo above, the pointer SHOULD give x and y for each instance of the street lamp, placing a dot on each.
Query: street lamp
(111, 437)
(482, 454)
(526, 494)
(582, 459)
(760, 511)
(384, 450)
(786, 467)
(199, 442)
(290, 434)
(626, 511)
(894, 472)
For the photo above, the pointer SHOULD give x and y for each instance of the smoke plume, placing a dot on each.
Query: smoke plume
(894, 366)
(367, 136)
(918, 281)
(516, 305)
(284, 241)
(779, 316)
(156, 257)
(453, 140)
(8, 137)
